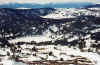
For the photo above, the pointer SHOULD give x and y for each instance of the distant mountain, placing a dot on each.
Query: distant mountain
(37, 11)
(93, 6)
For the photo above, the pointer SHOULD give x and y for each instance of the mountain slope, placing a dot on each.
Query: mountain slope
(30, 35)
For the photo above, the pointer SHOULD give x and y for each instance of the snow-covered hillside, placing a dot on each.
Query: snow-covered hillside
(70, 24)
(50, 34)
(71, 13)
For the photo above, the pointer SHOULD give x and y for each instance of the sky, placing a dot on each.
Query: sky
(46, 3)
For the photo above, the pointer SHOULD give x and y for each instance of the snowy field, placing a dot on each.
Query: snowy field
(48, 52)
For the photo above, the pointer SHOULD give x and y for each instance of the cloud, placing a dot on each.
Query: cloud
(46, 1)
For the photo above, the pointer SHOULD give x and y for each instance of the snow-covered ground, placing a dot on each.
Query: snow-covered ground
(58, 52)
(7, 61)
(30, 38)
